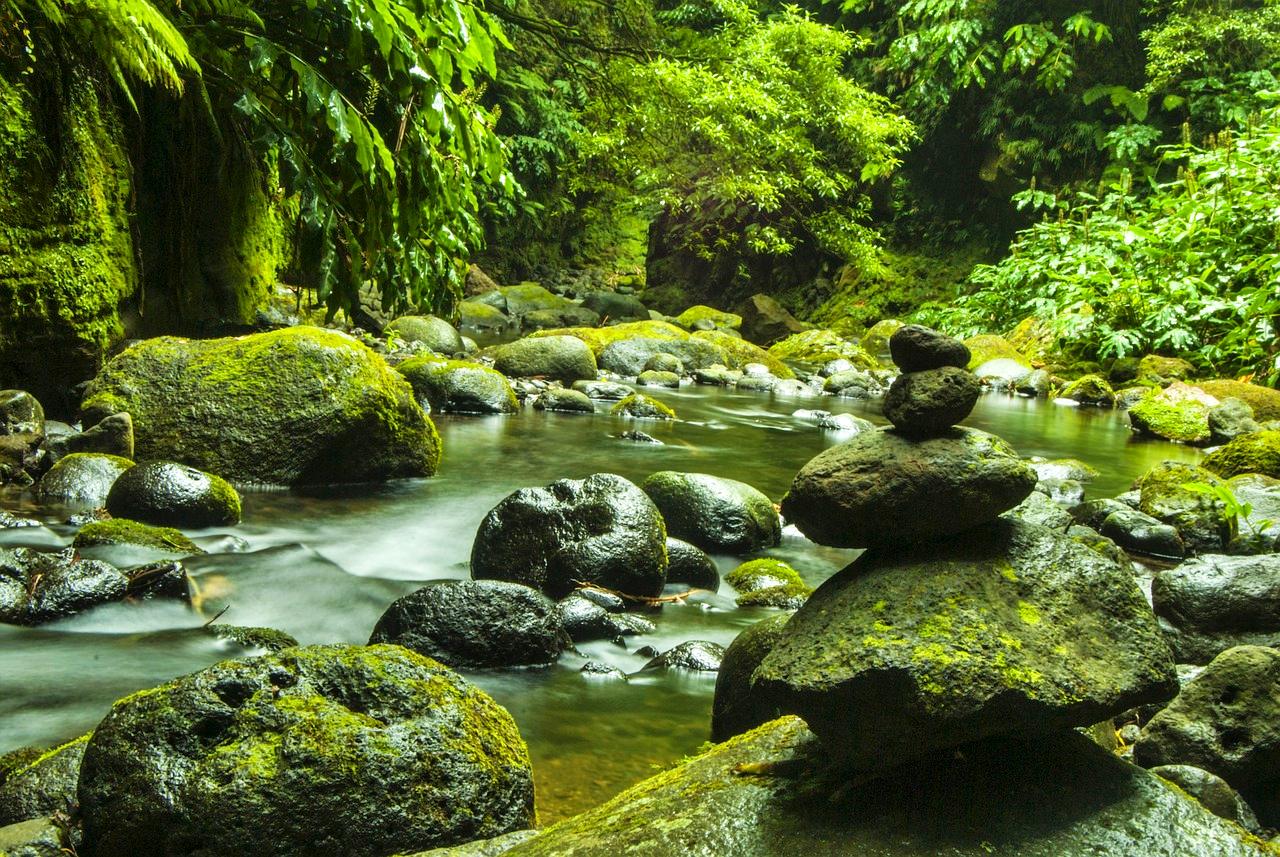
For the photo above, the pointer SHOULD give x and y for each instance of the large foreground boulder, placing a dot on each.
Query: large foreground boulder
(716, 514)
(601, 530)
(1013, 628)
(773, 793)
(294, 406)
(883, 488)
(318, 750)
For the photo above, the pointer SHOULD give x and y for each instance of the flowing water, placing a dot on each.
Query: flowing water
(322, 566)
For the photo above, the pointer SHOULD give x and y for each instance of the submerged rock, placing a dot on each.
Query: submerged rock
(883, 488)
(694, 656)
(344, 749)
(565, 401)
(716, 514)
(1213, 603)
(1013, 628)
(82, 478)
(469, 624)
(601, 530)
(294, 406)
(642, 407)
(171, 494)
(774, 793)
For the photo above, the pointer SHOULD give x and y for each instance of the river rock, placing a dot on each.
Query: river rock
(1212, 792)
(1143, 534)
(641, 407)
(921, 404)
(883, 488)
(168, 494)
(559, 358)
(38, 587)
(1178, 413)
(569, 315)
(851, 385)
(1161, 370)
(915, 348)
(112, 435)
(665, 363)
(716, 514)
(1226, 720)
(39, 837)
(20, 413)
(736, 709)
(693, 656)
(765, 321)
(1090, 390)
(651, 378)
(1259, 531)
(630, 356)
(1012, 628)
(1231, 419)
(82, 478)
(343, 749)
(458, 386)
(1201, 519)
(483, 318)
(122, 531)
(774, 793)
(690, 565)
(601, 530)
(474, 624)
(611, 306)
(294, 406)
(567, 401)
(605, 390)
(1213, 603)
(700, 317)
(47, 786)
(433, 332)
(1038, 509)
(1258, 452)
(1265, 401)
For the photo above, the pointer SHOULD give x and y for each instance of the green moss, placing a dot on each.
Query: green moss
(1154, 367)
(598, 338)
(822, 346)
(789, 596)
(643, 407)
(987, 347)
(740, 352)
(1091, 389)
(120, 531)
(694, 314)
(459, 385)
(1258, 452)
(1264, 400)
(1035, 339)
(762, 574)
(18, 760)
(876, 340)
(1180, 420)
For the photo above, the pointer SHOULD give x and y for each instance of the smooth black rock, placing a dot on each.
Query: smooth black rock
(716, 514)
(38, 587)
(469, 624)
(1143, 534)
(173, 495)
(735, 709)
(694, 656)
(690, 565)
(915, 348)
(82, 478)
(1212, 603)
(601, 530)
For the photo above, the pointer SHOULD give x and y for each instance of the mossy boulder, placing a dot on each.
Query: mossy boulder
(818, 347)
(1265, 401)
(765, 321)
(991, 355)
(701, 317)
(82, 478)
(762, 574)
(522, 299)
(44, 787)
(632, 356)
(615, 307)
(1251, 453)
(482, 318)
(652, 378)
(459, 386)
(1178, 413)
(642, 407)
(1035, 339)
(169, 494)
(1013, 628)
(599, 338)
(788, 596)
(294, 406)
(1090, 390)
(564, 401)
(111, 436)
(716, 514)
(340, 749)
(774, 792)
(121, 531)
(876, 340)
(740, 353)
(1161, 370)
(559, 358)
(429, 330)
(1200, 518)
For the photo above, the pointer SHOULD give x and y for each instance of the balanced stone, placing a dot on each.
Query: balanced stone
(1013, 628)
(884, 488)
(916, 348)
(931, 401)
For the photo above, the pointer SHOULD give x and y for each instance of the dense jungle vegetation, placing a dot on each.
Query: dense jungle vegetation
(1113, 166)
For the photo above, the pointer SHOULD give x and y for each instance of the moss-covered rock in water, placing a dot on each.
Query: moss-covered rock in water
(1012, 628)
(435, 333)
(294, 406)
(66, 255)
(789, 596)
(701, 317)
(458, 386)
(740, 352)
(324, 749)
(45, 786)
(599, 338)
(1201, 519)
(121, 531)
(1265, 401)
(168, 494)
(641, 407)
(716, 514)
(1175, 414)
(822, 346)
(1251, 453)
(38, 586)
(83, 478)
(477, 316)
(1090, 390)
(986, 350)
(735, 708)
(520, 300)
(559, 358)
(774, 792)
(762, 574)
(876, 340)
(1160, 369)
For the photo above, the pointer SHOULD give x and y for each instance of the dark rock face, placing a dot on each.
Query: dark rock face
(931, 401)
(1011, 628)
(774, 793)
(883, 488)
(294, 406)
(45, 787)
(37, 587)
(1226, 720)
(1213, 792)
(611, 306)
(718, 515)
(475, 624)
(1143, 534)
(690, 565)
(82, 478)
(1201, 520)
(173, 495)
(560, 358)
(915, 348)
(585, 619)
(765, 321)
(1213, 603)
(695, 656)
(736, 709)
(325, 749)
(601, 530)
